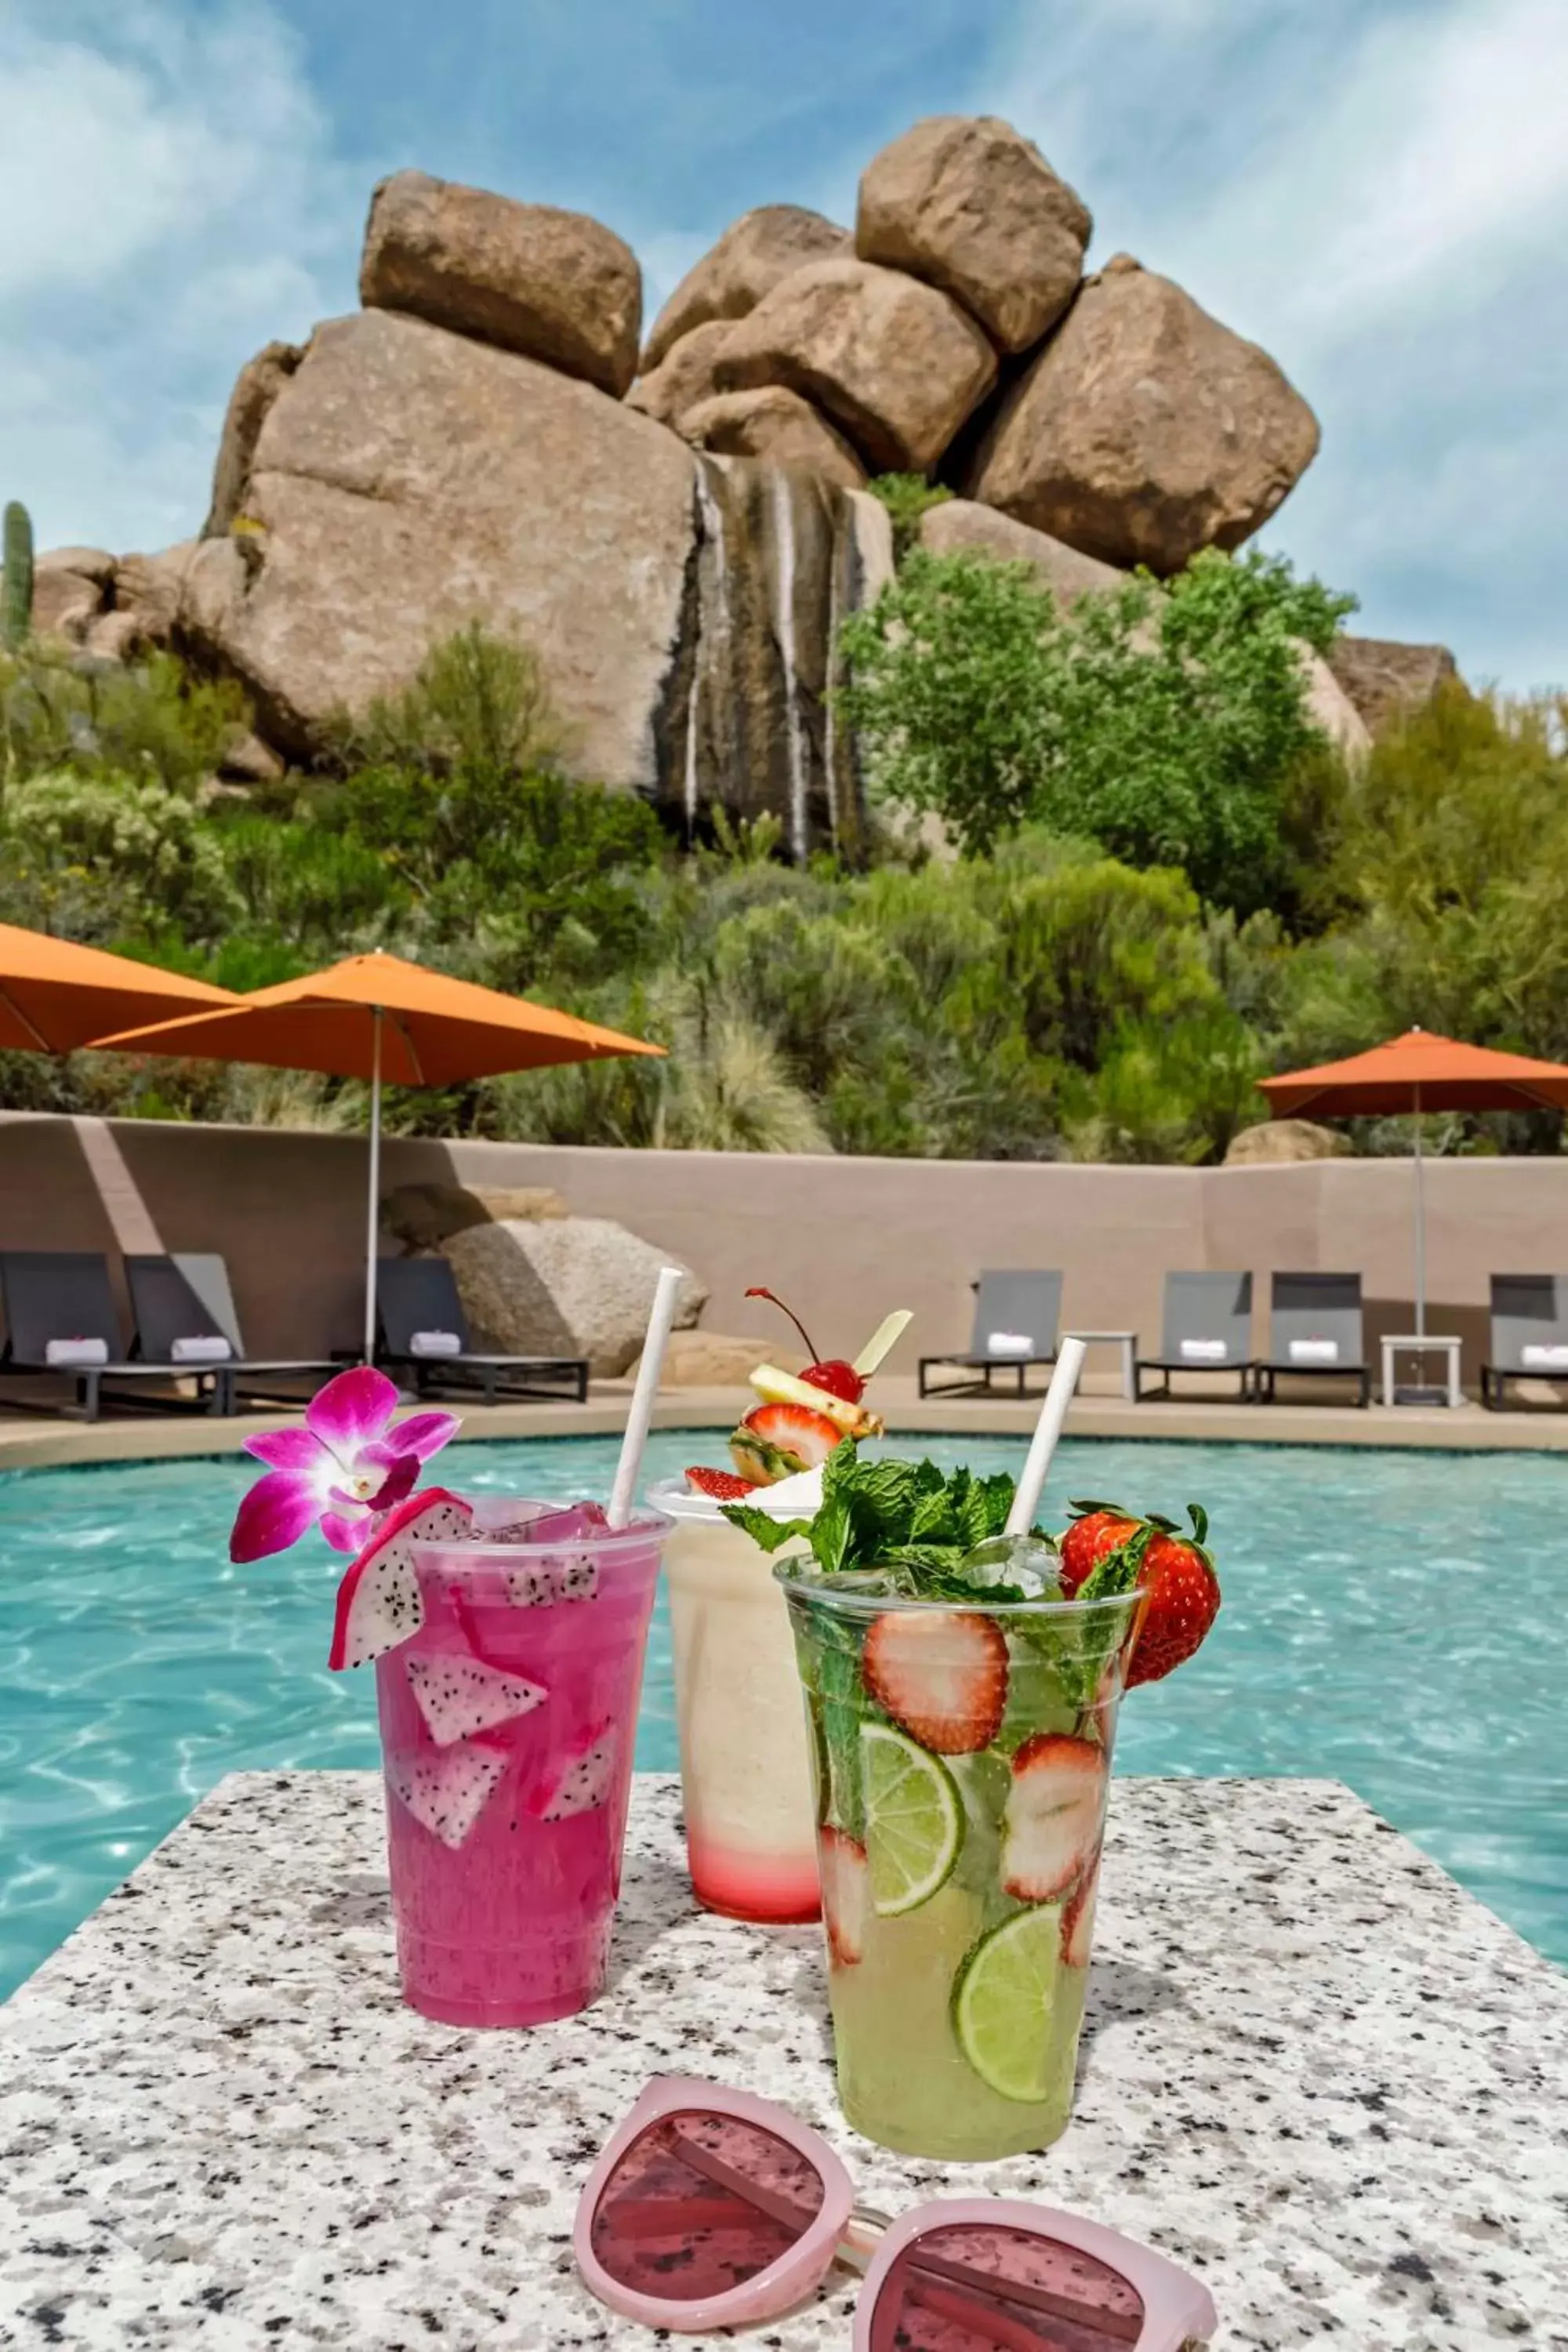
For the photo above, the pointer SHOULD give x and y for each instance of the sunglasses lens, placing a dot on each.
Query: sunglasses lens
(699, 2203)
(978, 2287)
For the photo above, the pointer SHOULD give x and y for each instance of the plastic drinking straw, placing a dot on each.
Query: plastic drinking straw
(636, 1439)
(1043, 1445)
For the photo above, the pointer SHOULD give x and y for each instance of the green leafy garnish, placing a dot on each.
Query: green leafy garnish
(908, 1520)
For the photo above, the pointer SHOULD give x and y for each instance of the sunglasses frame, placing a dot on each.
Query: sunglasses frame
(784, 2283)
(1177, 2308)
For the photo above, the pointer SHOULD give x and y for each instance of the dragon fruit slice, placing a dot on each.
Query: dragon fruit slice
(458, 1697)
(446, 1794)
(378, 1599)
(543, 1582)
(585, 1784)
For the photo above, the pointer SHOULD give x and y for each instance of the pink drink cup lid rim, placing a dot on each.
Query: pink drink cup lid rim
(605, 1544)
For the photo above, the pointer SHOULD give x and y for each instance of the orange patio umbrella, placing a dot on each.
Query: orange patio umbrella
(1417, 1072)
(377, 1017)
(55, 996)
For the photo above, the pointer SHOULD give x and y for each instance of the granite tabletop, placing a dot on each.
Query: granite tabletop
(1314, 2070)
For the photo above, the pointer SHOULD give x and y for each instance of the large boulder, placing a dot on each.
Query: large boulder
(1330, 707)
(1145, 430)
(748, 262)
(422, 1216)
(257, 386)
(1386, 681)
(1284, 1143)
(777, 425)
(150, 588)
(970, 205)
(960, 526)
(408, 480)
(710, 1359)
(554, 286)
(70, 589)
(567, 1285)
(684, 376)
(897, 364)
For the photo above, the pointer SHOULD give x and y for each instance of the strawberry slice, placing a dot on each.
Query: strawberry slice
(777, 1440)
(846, 1893)
(942, 1676)
(1055, 1813)
(1078, 1919)
(722, 1485)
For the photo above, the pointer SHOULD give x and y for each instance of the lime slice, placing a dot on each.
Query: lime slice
(1002, 2003)
(914, 1822)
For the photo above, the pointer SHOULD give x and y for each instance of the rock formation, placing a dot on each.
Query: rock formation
(552, 285)
(748, 262)
(897, 366)
(678, 550)
(1145, 430)
(1284, 1143)
(973, 208)
(564, 1287)
(1387, 681)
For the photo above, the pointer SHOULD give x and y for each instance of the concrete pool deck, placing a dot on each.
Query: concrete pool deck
(1315, 2072)
(34, 1440)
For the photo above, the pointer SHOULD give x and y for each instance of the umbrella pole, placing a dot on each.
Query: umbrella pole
(1420, 1228)
(372, 1222)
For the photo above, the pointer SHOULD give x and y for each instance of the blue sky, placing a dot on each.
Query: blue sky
(1377, 189)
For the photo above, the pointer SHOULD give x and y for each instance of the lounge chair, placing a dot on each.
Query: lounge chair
(1315, 1332)
(1208, 1329)
(1529, 1333)
(61, 1317)
(425, 1339)
(1016, 1319)
(184, 1313)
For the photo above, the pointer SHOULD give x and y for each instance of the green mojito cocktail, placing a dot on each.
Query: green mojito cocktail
(962, 1691)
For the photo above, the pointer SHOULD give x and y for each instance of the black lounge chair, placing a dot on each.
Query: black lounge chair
(1529, 1333)
(417, 1302)
(183, 1303)
(1315, 1332)
(1208, 1329)
(57, 1301)
(1016, 1319)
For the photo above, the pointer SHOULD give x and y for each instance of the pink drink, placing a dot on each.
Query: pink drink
(507, 1725)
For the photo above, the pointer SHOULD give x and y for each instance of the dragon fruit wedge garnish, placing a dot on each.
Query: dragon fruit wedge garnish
(379, 1600)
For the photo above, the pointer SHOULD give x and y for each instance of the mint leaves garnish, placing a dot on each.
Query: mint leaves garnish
(907, 1520)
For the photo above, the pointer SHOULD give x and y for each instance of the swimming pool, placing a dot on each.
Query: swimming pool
(1396, 1620)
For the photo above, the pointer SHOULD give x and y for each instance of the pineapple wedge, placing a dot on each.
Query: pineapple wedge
(783, 1388)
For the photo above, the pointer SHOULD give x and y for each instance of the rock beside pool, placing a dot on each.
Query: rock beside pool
(422, 1216)
(1284, 1142)
(711, 1359)
(564, 1287)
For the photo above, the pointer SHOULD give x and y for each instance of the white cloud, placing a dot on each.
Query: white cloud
(168, 204)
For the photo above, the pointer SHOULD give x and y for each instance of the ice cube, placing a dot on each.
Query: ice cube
(1029, 1562)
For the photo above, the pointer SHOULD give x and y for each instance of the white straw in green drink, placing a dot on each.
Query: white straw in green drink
(1043, 1445)
(630, 1467)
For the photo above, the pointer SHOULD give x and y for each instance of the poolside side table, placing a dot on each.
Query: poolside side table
(1128, 1343)
(1429, 1343)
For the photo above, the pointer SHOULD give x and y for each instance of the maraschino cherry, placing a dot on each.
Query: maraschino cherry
(834, 1376)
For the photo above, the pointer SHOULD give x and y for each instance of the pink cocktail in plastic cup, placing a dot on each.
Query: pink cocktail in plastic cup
(507, 1722)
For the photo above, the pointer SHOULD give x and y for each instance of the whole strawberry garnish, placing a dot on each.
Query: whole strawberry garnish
(724, 1485)
(1183, 1600)
(1097, 1530)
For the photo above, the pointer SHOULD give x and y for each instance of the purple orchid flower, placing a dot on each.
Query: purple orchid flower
(346, 1467)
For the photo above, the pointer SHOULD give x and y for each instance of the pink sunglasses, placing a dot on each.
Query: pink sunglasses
(712, 2208)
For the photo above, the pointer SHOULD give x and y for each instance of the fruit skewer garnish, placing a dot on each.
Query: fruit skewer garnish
(803, 1417)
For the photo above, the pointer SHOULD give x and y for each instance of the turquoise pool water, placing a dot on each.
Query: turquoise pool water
(1396, 1620)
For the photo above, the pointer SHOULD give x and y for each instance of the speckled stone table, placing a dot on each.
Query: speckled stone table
(1314, 2070)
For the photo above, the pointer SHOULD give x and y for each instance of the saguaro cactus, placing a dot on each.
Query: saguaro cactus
(16, 600)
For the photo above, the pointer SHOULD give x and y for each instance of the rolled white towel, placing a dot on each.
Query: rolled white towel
(64, 1355)
(1314, 1351)
(1009, 1343)
(1203, 1351)
(435, 1343)
(201, 1347)
(1538, 1357)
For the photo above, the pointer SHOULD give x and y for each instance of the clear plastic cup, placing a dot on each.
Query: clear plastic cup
(507, 1724)
(745, 1764)
(962, 1768)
